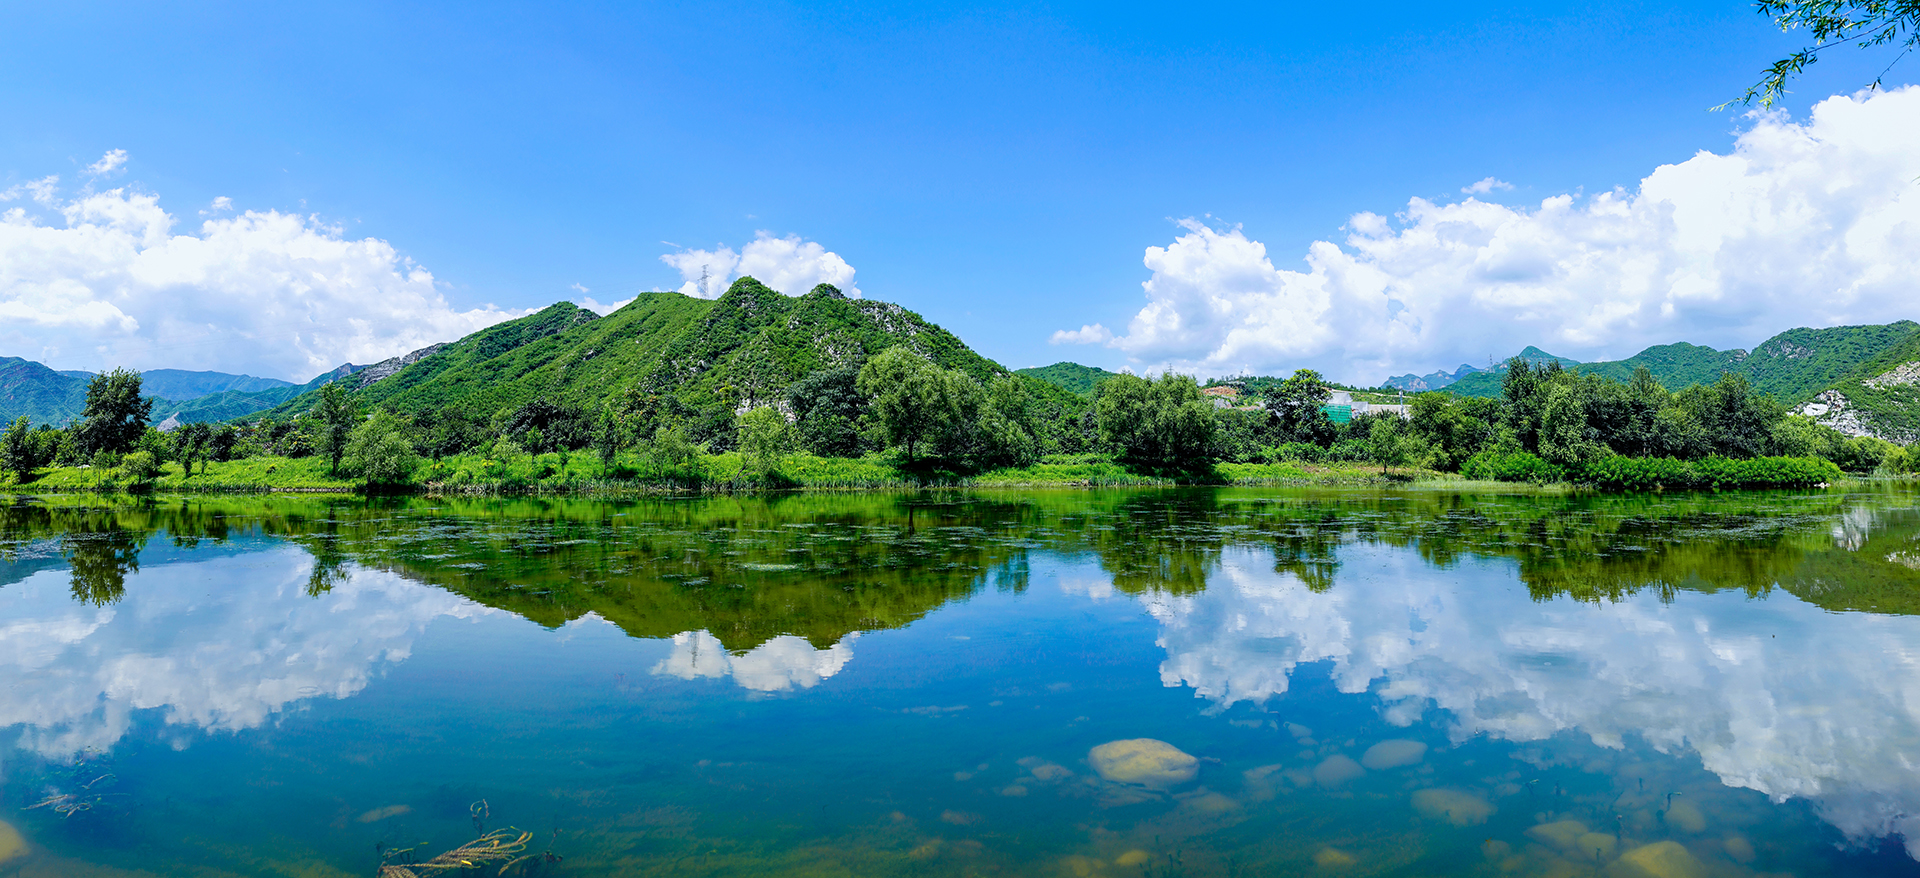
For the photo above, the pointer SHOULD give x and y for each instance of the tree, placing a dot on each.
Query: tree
(1390, 442)
(449, 429)
(335, 416)
(827, 406)
(223, 443)
(379, 452)
(1161, 424)
(115, 415)
(763, 440)
(911, 396)
(193, 442)
(1865, 23)
(542, 426)
(22, 452)
(1296, 408)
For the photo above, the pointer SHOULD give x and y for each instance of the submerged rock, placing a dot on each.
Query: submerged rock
(1457, 807)
(1686, 818)
(11, 844)
(1662, 859)
(1143, 761)
(1563, 835)
(1134, 857)
(1336, 771)
(1393, 754)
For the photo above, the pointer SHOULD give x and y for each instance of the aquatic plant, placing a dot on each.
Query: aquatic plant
(495, 846)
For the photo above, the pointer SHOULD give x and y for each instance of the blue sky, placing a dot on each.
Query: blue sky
(999, 168)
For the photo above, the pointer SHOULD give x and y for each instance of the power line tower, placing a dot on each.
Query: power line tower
(703, 281)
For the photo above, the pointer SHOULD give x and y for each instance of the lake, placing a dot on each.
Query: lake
(1213, 682)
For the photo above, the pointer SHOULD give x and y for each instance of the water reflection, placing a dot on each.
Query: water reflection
(1768, 637)
(220, 645)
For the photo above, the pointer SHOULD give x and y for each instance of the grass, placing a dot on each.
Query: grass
(582, 472)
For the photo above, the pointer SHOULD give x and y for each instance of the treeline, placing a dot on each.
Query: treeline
(1548, 424)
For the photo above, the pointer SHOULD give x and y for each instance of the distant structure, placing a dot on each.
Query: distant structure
(1341, 407)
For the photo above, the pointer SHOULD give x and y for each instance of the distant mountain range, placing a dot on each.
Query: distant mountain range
(748, 345)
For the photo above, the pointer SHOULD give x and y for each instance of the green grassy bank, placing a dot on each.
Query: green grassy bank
(584, 473)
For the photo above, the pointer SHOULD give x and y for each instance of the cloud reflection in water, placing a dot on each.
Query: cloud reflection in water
(1774, 695)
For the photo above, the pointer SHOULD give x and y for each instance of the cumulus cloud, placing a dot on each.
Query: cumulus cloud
(1092, 333)
(1812, 223)
(102, 279)
(113, 161)
(1487, 185)
(788, 264)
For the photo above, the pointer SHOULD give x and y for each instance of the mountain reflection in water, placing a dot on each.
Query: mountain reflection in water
(1768, 636)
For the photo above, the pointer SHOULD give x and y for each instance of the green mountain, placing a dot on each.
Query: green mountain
(742, 348)
(231, 404)
(1071, 377)
(1880, 398)
(1793, 366)
(180, 385)
(43, 395)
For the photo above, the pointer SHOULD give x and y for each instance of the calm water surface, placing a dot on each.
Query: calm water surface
(1300, 682)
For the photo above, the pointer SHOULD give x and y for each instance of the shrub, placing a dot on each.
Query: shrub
(1511, 466)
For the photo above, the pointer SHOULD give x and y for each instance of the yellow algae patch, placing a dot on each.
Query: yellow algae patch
(1686, 818)
(1014, 790)
(1596, 845)
(1737, 847)
(959, 818)
(1081, 867)
(1134, 857)
(1393, 754)
(1336, 771)
(11, 844)
(1564, 835)
(1211, 803)
(1333, 858)
(384, 813)
(1049, 771)
(1143, 761)
(1496, 850)
(1457, 807)
(926, 851)
(1662, 859)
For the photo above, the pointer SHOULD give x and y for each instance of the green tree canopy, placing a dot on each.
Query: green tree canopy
(336, 414)
(116, 414)
(1865, 23)
(1165, 423)
(378, 450)
(911, 396)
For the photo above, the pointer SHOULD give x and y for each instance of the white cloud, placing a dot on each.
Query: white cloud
(113, 161)
(1092, 333)
(1487, 185)
(788, 264)
(103, 280)
(1812, 223)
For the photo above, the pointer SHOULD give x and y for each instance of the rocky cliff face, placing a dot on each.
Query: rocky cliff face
(391, 365)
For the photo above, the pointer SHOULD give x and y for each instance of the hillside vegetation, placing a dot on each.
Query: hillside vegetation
(1071, 377)
(1793, 366)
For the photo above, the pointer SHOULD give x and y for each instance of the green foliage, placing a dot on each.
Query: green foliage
(140, 468)
(910, 396)
(23, 450)
(1865, 23)
(335, 414)
(1617, 473)
(378, 451)
(1511, 466)
(827, 407)
(1163, 424)
(115, 415)
(192, 442)
(1296, 408)
(764, 440)
(1071, 377)
(1391, 442)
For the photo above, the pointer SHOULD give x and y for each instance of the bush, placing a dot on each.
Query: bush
(1301, 451)
(1513, 466)
(1665, 473)
(1350, 449)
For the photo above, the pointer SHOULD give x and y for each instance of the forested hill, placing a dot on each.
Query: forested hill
(46, 396)
(707, 356)
(1793, 366)
(1071, 377)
